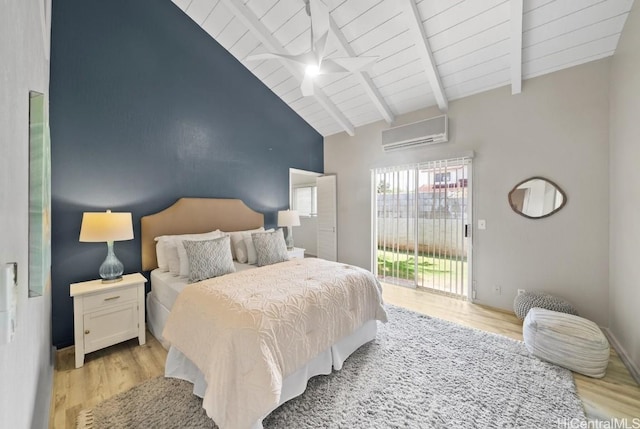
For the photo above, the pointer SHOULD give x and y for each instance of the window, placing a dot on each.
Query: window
(305, 200)
(442, 177)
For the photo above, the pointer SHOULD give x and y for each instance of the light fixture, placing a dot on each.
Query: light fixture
(289, 218)
(312, 70)
(313, 60)
(107, 227)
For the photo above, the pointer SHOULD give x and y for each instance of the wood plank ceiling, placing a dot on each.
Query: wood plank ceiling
(429, 51)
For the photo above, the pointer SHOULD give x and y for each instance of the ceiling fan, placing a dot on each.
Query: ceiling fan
(313, 60)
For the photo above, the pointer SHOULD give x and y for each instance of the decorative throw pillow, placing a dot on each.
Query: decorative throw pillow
(252, 256)
(270, 247)
(170, 252)
(182, 253)
(209, 258)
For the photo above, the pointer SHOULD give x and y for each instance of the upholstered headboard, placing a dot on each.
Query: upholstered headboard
(192, 216)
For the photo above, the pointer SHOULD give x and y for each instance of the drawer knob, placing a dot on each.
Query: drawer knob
(87, 332)
(112, 298)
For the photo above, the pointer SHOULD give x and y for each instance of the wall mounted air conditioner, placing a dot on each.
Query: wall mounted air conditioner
(429, 131)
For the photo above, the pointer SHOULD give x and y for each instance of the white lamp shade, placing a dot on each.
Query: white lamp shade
(106, 226)
(288, 218)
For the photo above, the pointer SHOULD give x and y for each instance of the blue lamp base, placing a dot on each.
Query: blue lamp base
(111, 269)
(289, 239)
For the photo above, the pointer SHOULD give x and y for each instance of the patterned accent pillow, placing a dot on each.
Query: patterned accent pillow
(270, 247)
(171, 254)
(182, 253)
(209, 258)
(252, 256)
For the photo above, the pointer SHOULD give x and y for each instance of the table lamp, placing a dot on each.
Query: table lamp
(289, 218)
(107, 227)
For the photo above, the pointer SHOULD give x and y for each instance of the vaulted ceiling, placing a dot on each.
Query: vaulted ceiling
(429, 51)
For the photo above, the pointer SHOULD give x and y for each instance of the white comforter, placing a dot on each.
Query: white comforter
(249, 330)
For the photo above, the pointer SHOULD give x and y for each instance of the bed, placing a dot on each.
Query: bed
(249, 341)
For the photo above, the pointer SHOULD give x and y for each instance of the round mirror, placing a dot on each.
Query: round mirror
(536, 198)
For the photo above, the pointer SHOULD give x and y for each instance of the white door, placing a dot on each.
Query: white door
(327, 218)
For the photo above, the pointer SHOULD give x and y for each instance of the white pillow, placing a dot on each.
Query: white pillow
(173, 261)
(166, 252)
(252, 255)
(238, 247)
(232, 234)
(161, 256)
(182, 252)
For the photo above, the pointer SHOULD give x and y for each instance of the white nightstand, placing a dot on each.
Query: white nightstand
(107, 313)
(296, 253)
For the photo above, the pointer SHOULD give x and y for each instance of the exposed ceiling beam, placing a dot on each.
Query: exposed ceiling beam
(422, 44)
(258, 29)
(362, 78)
(516, 46)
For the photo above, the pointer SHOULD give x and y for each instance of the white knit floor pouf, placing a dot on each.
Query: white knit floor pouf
(566, 340)
(526, 301)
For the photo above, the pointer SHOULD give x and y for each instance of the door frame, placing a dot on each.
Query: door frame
(292, 172)
(305, 222)
(471, 289)
(471, 295)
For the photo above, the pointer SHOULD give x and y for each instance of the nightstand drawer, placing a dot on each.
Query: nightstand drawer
(112, 297)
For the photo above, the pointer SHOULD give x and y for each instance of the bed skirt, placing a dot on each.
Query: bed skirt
(179, 366)
(157, 315)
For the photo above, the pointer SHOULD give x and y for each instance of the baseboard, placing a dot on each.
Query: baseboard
(624, 356)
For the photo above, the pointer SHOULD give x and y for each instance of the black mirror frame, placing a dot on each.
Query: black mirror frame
(564, 198)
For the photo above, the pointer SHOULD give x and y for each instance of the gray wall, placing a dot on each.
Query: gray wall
(557, 128)
(25, 370)
(624, 293)
(146, 108)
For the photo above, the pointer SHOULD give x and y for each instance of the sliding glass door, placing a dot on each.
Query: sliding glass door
(421, 218)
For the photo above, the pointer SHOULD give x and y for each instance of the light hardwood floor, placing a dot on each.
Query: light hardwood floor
(118, 368)
(105, 373)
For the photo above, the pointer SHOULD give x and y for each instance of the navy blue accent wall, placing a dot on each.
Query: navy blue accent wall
(146, 108)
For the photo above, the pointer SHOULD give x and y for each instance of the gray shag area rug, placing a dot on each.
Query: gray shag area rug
(420, 372)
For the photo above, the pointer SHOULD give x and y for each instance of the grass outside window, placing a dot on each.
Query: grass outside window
(434, 271)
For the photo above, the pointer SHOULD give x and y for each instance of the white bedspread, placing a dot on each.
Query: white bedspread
(249, 330)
